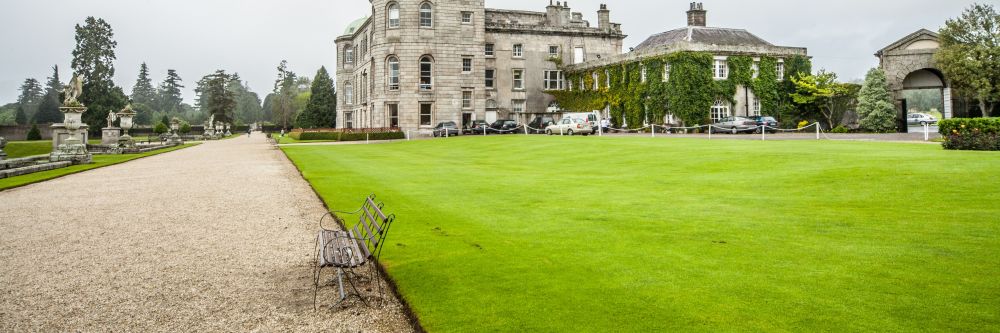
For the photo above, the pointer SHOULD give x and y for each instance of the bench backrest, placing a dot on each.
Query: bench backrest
(373, 226)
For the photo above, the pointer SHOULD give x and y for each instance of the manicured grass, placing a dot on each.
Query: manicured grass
(100, 161)
(288, 140)
(18, 149)
(573, 234)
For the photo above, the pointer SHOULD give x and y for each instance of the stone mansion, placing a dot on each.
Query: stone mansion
(414, 63)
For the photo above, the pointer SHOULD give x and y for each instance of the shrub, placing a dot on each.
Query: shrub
(971, 133)
(840, 130)
(160, 128)
(185, 128)
(34, 134)
(377, 136)
(803, 124)
(327, 136)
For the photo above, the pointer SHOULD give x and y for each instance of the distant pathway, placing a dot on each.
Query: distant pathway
(217, 237)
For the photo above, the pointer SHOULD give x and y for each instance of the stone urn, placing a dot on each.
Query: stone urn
(228, 133)
(175, 125)
(72, 149)
(126, 116)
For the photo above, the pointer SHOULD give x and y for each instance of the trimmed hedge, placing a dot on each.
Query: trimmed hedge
(971, 133)
(341, 136)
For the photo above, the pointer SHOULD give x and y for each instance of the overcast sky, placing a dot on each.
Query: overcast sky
(251, 37)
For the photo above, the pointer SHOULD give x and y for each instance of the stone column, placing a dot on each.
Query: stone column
(3, 143)
(948, 103)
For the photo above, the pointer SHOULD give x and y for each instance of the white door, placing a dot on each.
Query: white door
(578, 55)
(491, 116)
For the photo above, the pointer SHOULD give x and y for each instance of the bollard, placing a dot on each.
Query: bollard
(817, 130)
(366, 139)
(927, 132)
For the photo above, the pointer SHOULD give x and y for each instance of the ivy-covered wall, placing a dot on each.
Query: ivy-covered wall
(689, 93)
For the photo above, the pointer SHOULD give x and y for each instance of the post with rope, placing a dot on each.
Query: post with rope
(366, 138)
(525, 129)
(927, 132)
(817, 130)
(763, 133)
(654, 131)
(710, 132)
(407, 135)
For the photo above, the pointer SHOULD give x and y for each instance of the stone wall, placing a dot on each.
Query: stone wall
(20, 132)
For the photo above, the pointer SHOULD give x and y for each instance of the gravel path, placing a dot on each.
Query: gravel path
(217, 237)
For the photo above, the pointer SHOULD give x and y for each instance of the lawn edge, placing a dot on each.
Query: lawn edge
(407, 309)
(155, 153)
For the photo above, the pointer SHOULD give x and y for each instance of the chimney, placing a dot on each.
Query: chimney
(697, 15)
(604, 18)
(553, 14)
(566, 14)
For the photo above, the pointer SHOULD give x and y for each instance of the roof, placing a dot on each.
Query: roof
(703, 35)
(922, 34)
(353, 27)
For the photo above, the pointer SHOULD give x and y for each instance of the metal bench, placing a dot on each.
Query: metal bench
(348, 251)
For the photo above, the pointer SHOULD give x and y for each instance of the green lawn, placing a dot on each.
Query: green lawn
(574, 234)
(100, 161)
(18, 149)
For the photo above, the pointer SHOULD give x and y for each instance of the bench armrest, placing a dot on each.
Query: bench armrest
(333, 216)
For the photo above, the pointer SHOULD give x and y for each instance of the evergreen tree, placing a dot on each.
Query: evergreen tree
(321, 111)
(876, 112)
(34, 134)
(267, 109)
(31, 97)
(169, 97)
(20, 118)
(94, 58)
(285, 92)
(165, 120)
(48, 111)
(214, 98)
(143, 91)
(143, 114)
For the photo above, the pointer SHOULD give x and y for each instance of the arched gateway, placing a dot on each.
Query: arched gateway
(909, 65)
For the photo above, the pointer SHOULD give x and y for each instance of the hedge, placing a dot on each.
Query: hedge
(341, 136)
(971, 133)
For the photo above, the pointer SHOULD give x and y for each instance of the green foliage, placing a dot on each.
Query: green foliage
(143, 91)
(168, 95)
(840, 130)
(345, 136)
(185, 128)
(21, 117)
(215, 98)
(31, 96)
(767, 88)
(34, 134)
(971, 133)
(285, 91)
(93, 58)
(160, 128)
(321, 110)
(970, 54)
(48, 110)
(819, 93)
(876, 112)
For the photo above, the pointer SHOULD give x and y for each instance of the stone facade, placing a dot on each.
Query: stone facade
(909, 64)
(446, 48)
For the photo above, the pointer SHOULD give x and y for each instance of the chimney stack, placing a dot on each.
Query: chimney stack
(697, 16)
(553, 14)
(604, 18)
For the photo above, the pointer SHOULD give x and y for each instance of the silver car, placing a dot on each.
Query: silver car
(920, 119)
(570, 126)
(735, 125)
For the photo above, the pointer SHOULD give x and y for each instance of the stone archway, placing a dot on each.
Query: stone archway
(909, 65)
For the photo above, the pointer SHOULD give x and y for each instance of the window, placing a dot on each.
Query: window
(553, 51)
(780, 67)
(518, 79)
(578, 55)
(553, 80)
(597, 84)
(348, 94)
(393, 15)
(756, 69)
(425, 114)
(348, 119)
(721, 69)
(489, 49)
(642, 73)
(426, 15)
(466, 65)
(666, 73)
(393, 115)
(720, 110)
(607, 79)
(517, 105)
(426, 73)
(467, 99)
(755, 108)
(348, 55)
(393, 66)
(518, 50)
(467, 17)
(491, 75)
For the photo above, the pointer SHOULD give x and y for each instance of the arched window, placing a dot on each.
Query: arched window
(348, 93)
(426, 15)
(426, 73)
(348, 55)
(392, 68)
(393, 15)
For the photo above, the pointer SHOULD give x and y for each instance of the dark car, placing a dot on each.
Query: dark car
(504, 127)
(770, 122)
(448, 128)
(476, 127)
(538, 125)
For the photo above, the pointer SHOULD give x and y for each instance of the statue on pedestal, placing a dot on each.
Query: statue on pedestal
(73, 91)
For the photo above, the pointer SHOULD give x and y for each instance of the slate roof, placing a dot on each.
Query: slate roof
(703, 35)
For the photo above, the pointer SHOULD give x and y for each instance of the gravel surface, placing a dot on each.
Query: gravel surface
(218, 237)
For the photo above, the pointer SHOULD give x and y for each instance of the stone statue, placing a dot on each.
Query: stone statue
(211, 120)
(73, 91)
(111, 118)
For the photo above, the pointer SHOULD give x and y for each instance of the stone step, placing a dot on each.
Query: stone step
(15, 163)
(33, 169)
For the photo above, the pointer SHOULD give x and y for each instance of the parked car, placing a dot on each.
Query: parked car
(762, 121)
(504, 127)
(735, 125)
(476, 127)
(920, 119)
(538, 125)
(591, 117)
(448, 128)
(570, 126)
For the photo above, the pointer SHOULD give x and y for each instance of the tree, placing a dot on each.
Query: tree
(248, 107)
(169, 97)
(93, 59)
(185, 128)
(970, 54)
(143, 114)
(31, 97)
(321, 111)
(20, 117)
(818, 93)
(48, 111)
(285, 92)
(160, 128)
(165, 120)
(214, 99)
(143, 91)
(34, 134)
(876, 112)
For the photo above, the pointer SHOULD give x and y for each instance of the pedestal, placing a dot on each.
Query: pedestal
(60, 134)
(175, 140)
(3, 143)
(110, 135)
